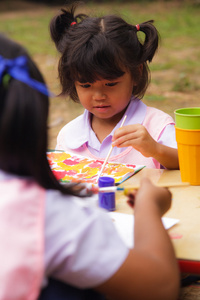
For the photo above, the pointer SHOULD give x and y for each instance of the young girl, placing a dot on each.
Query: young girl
(46, 232)
(103, 65)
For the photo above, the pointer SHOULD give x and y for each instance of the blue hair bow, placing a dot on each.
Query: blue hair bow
(18, 69)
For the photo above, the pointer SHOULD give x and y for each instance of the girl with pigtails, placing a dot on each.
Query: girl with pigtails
(54, 245)
(104, 66)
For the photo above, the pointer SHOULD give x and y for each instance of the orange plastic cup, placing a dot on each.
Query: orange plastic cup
(188, 142)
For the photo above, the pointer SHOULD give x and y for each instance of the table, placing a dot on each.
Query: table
(185, 235)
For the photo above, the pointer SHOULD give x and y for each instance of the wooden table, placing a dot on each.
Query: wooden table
(185, 206)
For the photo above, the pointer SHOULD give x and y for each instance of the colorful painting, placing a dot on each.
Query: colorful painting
(69, 168)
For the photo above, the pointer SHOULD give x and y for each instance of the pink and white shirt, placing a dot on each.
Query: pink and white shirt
(44, 233)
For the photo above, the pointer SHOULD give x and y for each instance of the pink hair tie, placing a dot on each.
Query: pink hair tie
(72, 23)
(137, 27)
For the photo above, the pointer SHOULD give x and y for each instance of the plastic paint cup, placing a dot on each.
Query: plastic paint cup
(189, 155)
(106, 200)
(187, 118)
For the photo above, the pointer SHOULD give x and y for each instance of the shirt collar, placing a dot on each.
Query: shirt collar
(135, 112)
(77, 133)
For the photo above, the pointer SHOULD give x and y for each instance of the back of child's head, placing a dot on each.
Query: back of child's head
(23, 117)
(93, 48)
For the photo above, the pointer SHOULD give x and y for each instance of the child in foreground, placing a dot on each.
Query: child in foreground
(46, 232)
(104, 66)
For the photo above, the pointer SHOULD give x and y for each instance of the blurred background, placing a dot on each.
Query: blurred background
(175, 70)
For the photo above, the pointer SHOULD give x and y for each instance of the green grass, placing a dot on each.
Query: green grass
(30, 31)
(179, 27)
(185, 84)
(174, 24)
(175, 69)
(154, 97)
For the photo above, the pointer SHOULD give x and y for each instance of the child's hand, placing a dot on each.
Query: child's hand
(149, 194)
(131, 198)
(137, 137)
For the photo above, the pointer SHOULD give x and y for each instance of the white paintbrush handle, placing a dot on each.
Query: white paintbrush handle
(105, 161)
(109, 153)
(124, 119)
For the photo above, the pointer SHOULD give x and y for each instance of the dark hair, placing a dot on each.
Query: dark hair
(101, 47)
(23, 124)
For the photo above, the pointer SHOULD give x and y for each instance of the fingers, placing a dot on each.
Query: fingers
(149, 194)
(128, 139)
(130, 203)
(131, 197)
(120, 132)
(135, 136)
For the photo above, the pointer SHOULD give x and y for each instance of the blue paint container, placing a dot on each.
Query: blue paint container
(106, 200)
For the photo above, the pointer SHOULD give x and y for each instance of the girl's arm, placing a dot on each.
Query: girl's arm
(167, 156)
(150, 270)
(138, 137)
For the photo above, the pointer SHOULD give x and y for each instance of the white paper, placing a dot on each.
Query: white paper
(124, 224)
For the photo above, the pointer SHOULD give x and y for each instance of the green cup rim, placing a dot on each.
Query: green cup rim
(181, 113)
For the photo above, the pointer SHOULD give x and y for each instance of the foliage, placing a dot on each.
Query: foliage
(183, 84)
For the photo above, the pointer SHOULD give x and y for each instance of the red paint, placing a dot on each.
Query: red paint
(59, 174)
(50, 162)
(70, 162)
(175, 236)
(95, 164)
(70, 172)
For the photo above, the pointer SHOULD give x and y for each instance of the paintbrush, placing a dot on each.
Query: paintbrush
(128, 189)
(109, 153)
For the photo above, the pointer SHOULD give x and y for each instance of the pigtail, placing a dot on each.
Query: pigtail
(150, 44)
(62, 23)
(59, 26)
